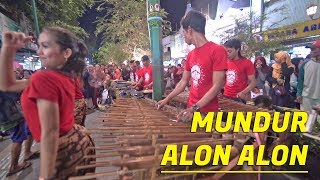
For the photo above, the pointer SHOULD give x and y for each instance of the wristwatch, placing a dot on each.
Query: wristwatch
(195, 107)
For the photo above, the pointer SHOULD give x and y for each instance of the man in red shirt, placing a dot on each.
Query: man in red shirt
(136, 76)
(138, 71)
(146, 73)
(240, 75)
(205, 66)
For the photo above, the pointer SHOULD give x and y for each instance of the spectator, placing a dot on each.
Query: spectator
(279, 80)
(261, 71)
(125, 74)
(15, 124)
(308, 89)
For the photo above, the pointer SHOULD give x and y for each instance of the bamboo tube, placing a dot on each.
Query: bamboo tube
(142, 162)
(139, 127)
(210, 168)
(147, 150)
(106, 174)
(102, 155)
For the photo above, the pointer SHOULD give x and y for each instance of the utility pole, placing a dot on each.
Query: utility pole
(35, 16)
(155, 32)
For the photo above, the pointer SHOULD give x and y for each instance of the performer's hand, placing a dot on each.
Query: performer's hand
(161, 103)
(241, 95)
(134, 86)
(256, 90)
(185, 115)
(299, 99)
(15, 40)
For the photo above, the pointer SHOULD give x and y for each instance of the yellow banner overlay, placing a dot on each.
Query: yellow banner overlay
(234, 172)
(249, 154)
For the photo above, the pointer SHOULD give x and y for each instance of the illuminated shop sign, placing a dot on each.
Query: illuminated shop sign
(306, 29)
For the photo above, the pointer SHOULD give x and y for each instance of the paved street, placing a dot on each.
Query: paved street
(32, 172)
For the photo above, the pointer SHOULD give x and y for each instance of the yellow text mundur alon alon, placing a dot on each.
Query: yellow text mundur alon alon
(205, 154)
(243, 122)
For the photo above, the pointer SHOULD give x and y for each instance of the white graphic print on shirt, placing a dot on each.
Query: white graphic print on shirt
(147, 77)
(196, 75)
(231, 77)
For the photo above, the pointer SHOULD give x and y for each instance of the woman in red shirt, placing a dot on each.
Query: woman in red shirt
(48, 99)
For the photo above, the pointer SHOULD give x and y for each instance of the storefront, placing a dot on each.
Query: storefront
(27, 56)
(295, 37)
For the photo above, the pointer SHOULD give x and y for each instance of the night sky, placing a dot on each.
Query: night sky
(175, 8)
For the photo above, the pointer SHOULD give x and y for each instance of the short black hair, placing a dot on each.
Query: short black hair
(131, 62)
(145, 58)
(308, 56)
(137, 62)
(234, 43)
(194, 19)
(263, 99)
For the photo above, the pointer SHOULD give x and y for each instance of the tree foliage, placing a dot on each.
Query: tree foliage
(112, 53)
(249, 30)
(125, 23)
(58, 12)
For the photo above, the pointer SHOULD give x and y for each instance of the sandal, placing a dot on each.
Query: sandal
(20, 168)
(33, 155)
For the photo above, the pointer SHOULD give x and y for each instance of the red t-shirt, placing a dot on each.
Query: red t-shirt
(146, 73)
(202, 62)
(138, 74)
(237, 76)
(52, 86)
(79, 94)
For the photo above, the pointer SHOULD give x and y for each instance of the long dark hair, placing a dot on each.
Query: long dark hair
(234, 43)
(264, 67)
(296, 62)
(66, 39)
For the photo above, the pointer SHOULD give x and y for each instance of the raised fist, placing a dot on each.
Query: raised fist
(15, 40)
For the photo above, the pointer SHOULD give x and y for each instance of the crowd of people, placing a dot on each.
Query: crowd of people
(98, 86)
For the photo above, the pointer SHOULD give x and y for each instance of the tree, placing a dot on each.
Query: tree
(125, 22)
(112, 53)
(62, 13)
(249, 30)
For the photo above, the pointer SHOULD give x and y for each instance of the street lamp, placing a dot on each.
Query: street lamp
(312, 10)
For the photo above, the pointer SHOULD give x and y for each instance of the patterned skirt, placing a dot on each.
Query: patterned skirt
(80, 111)
(73, 147)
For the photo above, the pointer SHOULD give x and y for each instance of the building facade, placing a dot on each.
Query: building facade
(294, 27)
(17, 21)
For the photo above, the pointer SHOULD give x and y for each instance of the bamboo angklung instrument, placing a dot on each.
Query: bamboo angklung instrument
(132, 136)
